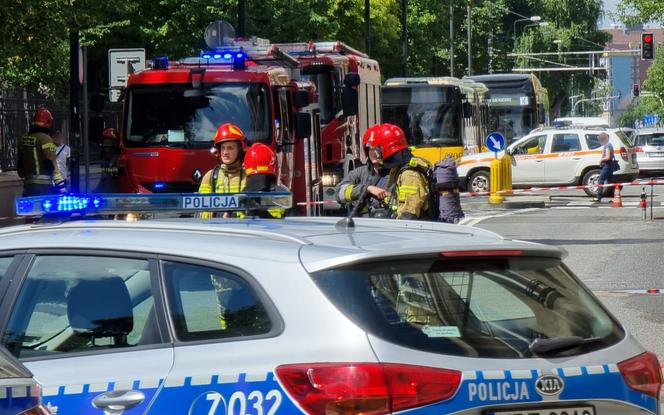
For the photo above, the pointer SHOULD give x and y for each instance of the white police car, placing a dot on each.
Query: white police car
(304, 315)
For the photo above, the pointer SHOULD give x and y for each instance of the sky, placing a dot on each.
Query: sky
(611, 6)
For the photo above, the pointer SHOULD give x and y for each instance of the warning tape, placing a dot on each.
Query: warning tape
(548, 189)
(648, 291)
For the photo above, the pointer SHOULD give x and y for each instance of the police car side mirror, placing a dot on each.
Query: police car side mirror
(302, 125)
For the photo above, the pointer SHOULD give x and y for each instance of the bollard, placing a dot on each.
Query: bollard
(495, 182)
(643, 204)
(507, 174)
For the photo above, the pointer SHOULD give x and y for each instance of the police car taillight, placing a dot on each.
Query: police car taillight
(643, 373)
(623, 154)
(366, 388)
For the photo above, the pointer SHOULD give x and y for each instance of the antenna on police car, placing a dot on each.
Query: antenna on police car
(348, 222)
(219, 34)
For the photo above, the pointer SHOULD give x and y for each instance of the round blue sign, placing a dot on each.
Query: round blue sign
(495, 142)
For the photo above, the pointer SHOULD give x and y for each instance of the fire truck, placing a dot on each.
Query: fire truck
(348, 85)
(172, 109)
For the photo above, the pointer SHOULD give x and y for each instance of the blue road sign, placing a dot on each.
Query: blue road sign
(495, 142)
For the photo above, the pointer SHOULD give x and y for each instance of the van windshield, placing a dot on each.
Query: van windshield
(495, 308)
(178, 115)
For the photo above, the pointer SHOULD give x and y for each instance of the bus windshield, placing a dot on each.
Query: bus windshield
(512, 113)
(177, 115)
(429, 115)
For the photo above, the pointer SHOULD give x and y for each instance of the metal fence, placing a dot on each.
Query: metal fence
(16, 110)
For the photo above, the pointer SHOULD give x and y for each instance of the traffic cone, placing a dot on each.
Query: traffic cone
(617, 200)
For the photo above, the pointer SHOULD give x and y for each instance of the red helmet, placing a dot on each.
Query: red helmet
(230, 132)
(42, 118)
(388, 140)
(260, 159)
(369, 134)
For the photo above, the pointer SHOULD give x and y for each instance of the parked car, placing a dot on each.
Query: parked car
(307, 316)
(649, 147)
(554, 156)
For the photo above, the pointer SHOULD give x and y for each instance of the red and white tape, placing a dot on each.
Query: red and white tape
(548, 189)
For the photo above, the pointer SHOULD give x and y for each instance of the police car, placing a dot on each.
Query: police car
(19, 393)
(305, 316)
(555, 156)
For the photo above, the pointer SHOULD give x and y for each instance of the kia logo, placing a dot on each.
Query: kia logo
(197, 175)
(549, 385)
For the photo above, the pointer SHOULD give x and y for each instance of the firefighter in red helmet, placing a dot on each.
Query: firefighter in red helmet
(407, 173)
(228, 176)
(370, 180)
(37, 159)
(260, 166)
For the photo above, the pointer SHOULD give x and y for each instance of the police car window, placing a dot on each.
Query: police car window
(491, 308)
(207, 303)
(72, 304)
(592, 140)
(4, 265)
(565, 142)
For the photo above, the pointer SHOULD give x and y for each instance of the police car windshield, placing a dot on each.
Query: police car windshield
(494, 308)
(178, 115)
(428, 114)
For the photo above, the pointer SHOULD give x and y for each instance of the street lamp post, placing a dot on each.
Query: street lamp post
(470, 34)
(534, 19)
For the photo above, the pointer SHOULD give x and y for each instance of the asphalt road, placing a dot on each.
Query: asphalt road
(610, 249)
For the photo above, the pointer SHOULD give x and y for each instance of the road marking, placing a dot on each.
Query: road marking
(470, 221)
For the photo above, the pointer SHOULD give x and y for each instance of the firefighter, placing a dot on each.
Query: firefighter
(228, 176)
(260, 166)
(37, 164)
(369, 180)
(407, 173)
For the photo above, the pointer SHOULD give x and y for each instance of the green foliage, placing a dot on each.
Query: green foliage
(641, 107)
(641, 11)
(35, 32)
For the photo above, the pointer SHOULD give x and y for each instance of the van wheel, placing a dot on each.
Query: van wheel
(479, 181)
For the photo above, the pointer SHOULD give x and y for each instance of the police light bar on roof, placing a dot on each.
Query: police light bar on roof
(163, 202)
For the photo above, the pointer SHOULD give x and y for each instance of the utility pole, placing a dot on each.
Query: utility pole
(367, 27)
(490, 44)
(451, 39)
(470, 35)
(241, 17)
(404, 37)
(74, 116)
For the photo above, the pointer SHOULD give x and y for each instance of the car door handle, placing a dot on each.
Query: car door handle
(116, 402)
(538, 161)
(576, 158)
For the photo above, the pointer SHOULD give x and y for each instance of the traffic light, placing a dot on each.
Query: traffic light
(647, 46)
(635, 90)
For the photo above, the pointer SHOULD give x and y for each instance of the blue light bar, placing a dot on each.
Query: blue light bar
(159, 185)
(115, 203)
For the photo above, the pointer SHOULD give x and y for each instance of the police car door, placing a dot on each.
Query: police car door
(91, 328)
(225, 328)
(565, 158)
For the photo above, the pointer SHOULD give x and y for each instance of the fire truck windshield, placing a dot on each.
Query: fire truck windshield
(176, 115)
(429, 115)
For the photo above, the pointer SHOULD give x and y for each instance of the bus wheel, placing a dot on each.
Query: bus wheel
(479, 181)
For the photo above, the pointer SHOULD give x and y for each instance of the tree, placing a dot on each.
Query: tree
(573, 27)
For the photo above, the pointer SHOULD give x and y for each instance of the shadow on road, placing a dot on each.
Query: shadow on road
(625, 241)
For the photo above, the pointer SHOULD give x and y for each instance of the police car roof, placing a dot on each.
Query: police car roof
(315, 241)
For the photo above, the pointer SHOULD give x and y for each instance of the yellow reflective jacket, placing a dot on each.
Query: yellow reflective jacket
(411, 192)
(37, 160)
(229, 179)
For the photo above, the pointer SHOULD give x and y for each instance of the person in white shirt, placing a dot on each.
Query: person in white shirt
(62, 155)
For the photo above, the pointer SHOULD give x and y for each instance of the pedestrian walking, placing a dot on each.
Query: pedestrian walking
(607, 165)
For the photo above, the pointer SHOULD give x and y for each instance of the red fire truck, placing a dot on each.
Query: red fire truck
(348, 83)
(172, 109)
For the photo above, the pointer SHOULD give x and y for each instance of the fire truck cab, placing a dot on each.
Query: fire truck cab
(348, 85)
(172, 109)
